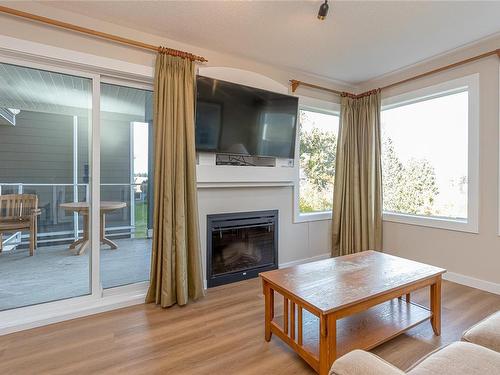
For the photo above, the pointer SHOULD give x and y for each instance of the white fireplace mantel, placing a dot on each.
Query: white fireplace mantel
(217, 176)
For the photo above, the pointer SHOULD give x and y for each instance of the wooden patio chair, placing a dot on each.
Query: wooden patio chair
(18, 212)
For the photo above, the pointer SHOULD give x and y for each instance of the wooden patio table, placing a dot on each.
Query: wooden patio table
(333, 306)
(83, 208)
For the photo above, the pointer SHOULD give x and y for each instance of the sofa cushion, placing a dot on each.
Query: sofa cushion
(485, 333)
(459, 358)
(359, 362)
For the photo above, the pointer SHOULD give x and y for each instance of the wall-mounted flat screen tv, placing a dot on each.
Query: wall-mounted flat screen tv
(237, 119)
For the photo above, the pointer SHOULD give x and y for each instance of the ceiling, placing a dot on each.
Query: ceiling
(358, 41)
(29, 89)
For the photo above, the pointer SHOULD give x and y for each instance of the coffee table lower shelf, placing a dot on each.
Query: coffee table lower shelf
(364, 330)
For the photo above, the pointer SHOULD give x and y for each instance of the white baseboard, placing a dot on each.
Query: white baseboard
(305, 260)
(487, 286)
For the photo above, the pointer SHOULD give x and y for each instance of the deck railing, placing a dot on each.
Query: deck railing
(56, 225)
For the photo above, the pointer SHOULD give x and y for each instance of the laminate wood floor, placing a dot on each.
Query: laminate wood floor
(221, 334)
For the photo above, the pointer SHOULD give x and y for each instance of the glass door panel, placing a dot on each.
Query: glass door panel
(45, 120)
(126, 185)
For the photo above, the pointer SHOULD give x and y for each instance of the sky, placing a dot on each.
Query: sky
(321, 121)
(433, 129)
(436, 130)
(140, 147)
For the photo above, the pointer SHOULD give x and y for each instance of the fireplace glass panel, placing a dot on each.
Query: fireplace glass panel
(239, 249)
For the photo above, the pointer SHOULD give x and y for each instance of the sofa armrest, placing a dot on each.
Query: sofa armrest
(359, 362)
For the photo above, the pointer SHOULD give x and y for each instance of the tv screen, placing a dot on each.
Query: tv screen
(237, 119)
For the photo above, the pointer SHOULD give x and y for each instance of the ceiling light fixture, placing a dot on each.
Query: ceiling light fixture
(323, 10)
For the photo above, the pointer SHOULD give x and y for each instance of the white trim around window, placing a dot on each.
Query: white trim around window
(321, 106)
(471, 84)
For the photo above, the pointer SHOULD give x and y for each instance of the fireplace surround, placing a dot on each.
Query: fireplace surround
(241, 245)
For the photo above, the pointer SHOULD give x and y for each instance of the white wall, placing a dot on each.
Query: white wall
(475, 256)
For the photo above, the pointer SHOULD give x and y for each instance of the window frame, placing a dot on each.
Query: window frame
(470, 84)
(313, 105)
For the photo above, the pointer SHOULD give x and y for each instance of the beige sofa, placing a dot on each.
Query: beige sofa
(485, 333)
(477, 354)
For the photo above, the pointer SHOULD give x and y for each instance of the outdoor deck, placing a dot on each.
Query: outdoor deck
(55, 273)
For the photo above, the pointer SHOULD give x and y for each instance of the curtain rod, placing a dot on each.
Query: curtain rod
(295, 83)
(99, 34)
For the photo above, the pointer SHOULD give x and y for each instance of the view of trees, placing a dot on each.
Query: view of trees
(409, 187)
(318, 149)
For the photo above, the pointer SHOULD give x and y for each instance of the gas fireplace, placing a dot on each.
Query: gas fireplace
(241, 245)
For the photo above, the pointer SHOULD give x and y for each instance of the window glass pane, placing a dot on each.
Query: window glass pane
(425, 157)
(44, 153)
(318, 147)
(126, 184)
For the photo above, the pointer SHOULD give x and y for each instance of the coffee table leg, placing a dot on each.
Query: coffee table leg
(436, 306)
(269, 309)
(327, 343)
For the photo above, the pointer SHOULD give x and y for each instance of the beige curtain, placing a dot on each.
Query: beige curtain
(357, 196)
(176, 271)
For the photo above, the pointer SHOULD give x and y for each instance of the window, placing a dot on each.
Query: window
(429, 148)
(317, 151)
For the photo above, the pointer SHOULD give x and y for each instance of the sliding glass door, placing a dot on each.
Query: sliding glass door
(75, 189)
(45, 125)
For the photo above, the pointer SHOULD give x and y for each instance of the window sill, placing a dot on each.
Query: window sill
(313, 216)
(461, 225)
(431, 222)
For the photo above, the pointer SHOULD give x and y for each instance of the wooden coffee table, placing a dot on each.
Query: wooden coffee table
(333, 306)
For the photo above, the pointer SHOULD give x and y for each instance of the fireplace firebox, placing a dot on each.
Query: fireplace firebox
(241, 245)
